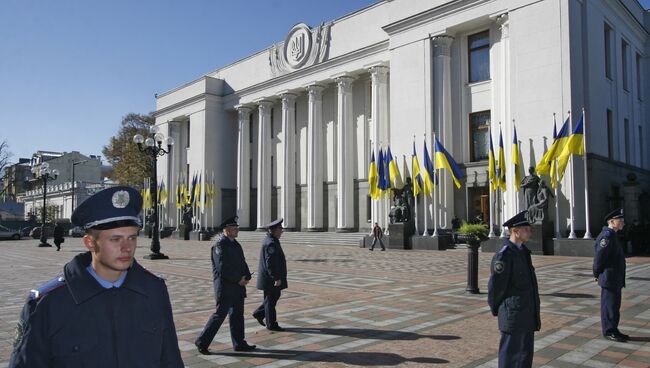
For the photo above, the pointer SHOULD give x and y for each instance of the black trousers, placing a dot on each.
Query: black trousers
(267, 308)
(234, 309)
(516, 349)
(610, 310)
(374, 241)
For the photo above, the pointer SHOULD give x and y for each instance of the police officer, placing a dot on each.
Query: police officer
(272, 276)
(513, 296)
(230, 277)
(105, 310)
(609, 272)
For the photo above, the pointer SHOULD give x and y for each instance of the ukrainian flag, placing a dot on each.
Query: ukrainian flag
(445, 161)
(373, 178)
(429, 173)
(394, 174)
(501, 164)
(417, 178)
(515, 160)
(544, 165)
(382, 183)
(575, 145)
(492, 166)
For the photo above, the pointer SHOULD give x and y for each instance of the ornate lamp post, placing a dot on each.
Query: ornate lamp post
(44, 173)
(154, 148)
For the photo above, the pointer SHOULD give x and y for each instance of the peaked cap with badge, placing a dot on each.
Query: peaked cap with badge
(109, 209)
(520, 219)
(274, 224)
(616, 214)
(230, 221)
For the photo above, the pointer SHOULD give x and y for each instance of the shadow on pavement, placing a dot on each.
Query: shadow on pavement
(370, 334)
(640, 338)
(639, 278)
(571, 295)
(353, 358)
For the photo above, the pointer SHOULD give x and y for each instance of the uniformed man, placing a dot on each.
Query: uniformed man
(609, 272)
(513, 296)
(272, 276)
(105, 310)
(230, 277)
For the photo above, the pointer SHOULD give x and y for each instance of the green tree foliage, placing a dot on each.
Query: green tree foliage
(130, 166)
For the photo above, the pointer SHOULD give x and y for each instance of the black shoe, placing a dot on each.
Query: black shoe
(245, 347)
(370, 249)
(626, 337)
(275, 327)
(203, 350)
(615, 337)
(383, 249)
(260, 320)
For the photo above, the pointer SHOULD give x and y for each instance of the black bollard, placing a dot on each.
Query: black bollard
(472, 267)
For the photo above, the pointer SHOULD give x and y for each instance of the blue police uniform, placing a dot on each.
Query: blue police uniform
(609, 269)
(74, 321)
(228, 268)
(272, 267)
(513, 296)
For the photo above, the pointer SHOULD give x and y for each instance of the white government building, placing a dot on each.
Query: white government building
(288, 131)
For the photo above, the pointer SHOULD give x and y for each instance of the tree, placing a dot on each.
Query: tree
(130, 166)
(5, 155)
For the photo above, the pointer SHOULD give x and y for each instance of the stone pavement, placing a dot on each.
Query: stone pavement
(346, 306)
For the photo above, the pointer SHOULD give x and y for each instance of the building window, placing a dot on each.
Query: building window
(479, 130)
(626, 125)
(478, 50)
(608, 51)
(624, 52)
(638, 75)
(610, 138)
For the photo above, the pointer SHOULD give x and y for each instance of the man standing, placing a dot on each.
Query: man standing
(513, 296)
(272, 276)
(58, 236)
(609, 272)
(105, 310)
(230, 277)
(377, 234)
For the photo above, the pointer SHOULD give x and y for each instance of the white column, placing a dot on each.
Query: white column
(289, 139)
(379, 113)
(243, 166)
(442, 124)
(510, 197)
(315, 158)
(264, 164)
(344, 152)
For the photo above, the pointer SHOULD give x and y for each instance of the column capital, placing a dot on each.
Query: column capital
(243, 111)
(264, 106)
(442, 45)
(314, 90)
(503, 22)
(344, 81)
(287, 97)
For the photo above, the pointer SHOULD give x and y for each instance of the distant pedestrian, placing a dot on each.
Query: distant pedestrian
(377, 234)
(105, 310)
(230, 276)
(513, 296)
(271, 276)
(609, 272)
(58, 236)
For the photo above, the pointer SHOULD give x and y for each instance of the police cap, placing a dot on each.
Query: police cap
(111, 208)
(274, 224)
(616, 214)
(519, 219)
(230, 221)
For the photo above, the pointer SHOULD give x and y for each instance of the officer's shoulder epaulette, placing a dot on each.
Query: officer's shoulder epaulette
(46, 288)
(504, 249)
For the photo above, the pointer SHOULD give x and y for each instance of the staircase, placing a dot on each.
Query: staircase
(305, 238)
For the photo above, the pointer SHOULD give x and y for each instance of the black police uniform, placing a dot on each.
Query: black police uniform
(228, 267)
(609, 269)
(73, 321)
(513, 296)
(272, 267)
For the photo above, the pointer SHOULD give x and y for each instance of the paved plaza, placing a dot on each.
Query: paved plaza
(346, 306)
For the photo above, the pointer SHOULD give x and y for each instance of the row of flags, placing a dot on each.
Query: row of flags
(186, 193)
(555, 160)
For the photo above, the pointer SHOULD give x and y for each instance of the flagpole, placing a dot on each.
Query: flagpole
(584, 137)
(558, 235)
(425, 232)
(491, 193)
(435, 201)
(415, 197)
(572, 234)
(502, 195)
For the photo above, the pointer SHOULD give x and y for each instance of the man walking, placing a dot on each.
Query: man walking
(272, 276)
(230, 277)
(377, 234)
(609, 272)
(513, 296)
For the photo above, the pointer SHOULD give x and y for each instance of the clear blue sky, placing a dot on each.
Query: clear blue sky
(70, 69)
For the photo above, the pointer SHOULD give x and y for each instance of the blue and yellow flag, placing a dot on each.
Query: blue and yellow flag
(373, 178)
(395, 178)
(575, 145)
(163, 194)
(428, 173)
(515, 161)
(445, 161)
(492, 174)
(417, 178)
(548, 160)
(501, 164)
(382, 184)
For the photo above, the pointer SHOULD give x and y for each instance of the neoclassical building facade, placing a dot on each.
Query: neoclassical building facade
(289, 131)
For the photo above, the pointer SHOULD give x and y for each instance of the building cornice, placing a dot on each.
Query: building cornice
(431, 14)
(188, 101)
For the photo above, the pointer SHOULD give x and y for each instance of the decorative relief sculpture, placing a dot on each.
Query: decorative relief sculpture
(302, 47)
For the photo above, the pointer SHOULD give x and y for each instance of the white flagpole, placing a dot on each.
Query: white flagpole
(435, 199)
(584, 162)
(572, 234)
(425, 232)
(491, 190)
(558, 235)
(212, 199)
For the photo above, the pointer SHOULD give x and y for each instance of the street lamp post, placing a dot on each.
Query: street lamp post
(154, 148)
(44, 174)
(74, 163)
